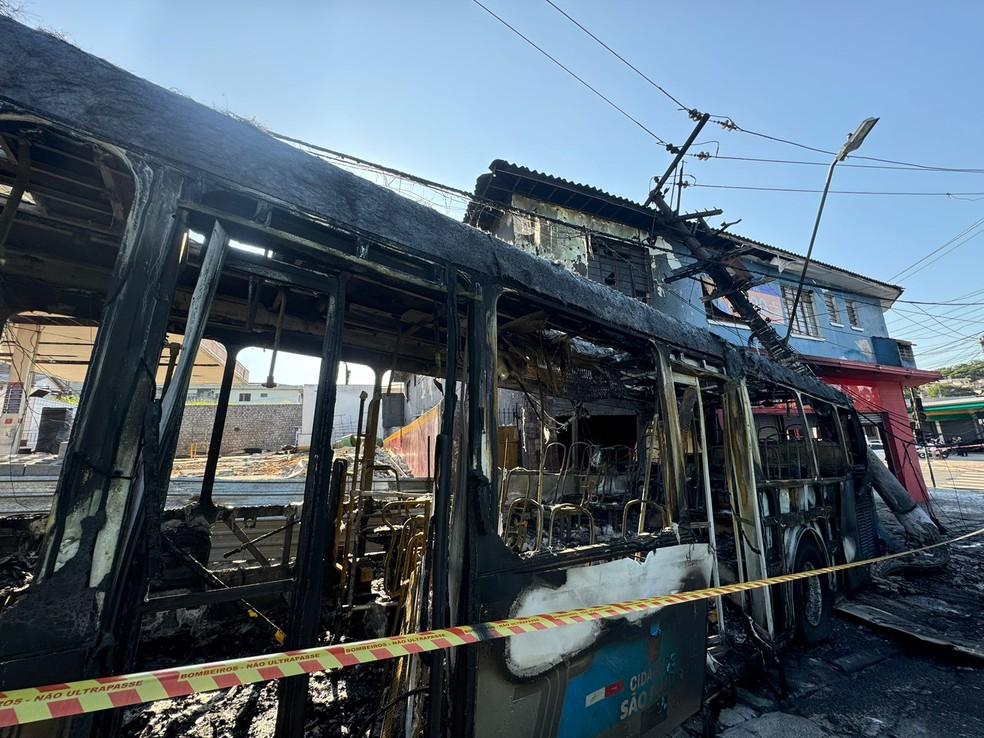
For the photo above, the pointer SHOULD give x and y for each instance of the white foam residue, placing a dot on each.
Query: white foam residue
(664, 571)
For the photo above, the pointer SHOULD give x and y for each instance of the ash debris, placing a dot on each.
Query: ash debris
(338, 705)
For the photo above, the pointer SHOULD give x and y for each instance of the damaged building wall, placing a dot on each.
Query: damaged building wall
(564, 236)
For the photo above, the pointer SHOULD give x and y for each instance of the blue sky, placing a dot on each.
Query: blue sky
(439, 88)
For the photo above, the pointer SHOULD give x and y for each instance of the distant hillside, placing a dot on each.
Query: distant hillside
(960, 380)
(972, 370)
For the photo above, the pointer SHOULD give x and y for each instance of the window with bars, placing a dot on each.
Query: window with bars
(621, 266)
(905, 352)
(833, 312)
(852, 313)
(805, 321)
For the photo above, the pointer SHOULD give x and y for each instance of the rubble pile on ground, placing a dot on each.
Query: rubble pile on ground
(340, 704)
(384, 457)
(246, 466)
(16, 574)
(280, 465)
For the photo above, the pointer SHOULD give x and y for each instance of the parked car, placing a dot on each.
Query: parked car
(936, 452)
(879, 449)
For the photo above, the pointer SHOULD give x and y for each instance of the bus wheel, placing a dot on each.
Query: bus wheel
(813, 598)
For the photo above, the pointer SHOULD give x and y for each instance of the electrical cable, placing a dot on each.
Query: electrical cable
(703, 156)
(728, 123)
(618, 56)
(920, 264)
(902, 193)
(552, 58)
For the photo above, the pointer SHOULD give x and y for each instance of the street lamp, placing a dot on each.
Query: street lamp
(853, 143)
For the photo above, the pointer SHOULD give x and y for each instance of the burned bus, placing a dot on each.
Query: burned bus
(640, 455)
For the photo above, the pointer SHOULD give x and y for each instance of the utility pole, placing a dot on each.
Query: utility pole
(917, 426)
(719, 264)
(713, 264)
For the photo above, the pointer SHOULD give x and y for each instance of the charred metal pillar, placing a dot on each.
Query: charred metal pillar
(62, 628)
(205, 502)
(173, 401)
(438, 558)
(322, 497)
(475, 512)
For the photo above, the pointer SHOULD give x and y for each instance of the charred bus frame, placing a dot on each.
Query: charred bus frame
(121, 176)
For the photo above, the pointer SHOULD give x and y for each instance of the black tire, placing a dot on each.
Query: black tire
(813, 598)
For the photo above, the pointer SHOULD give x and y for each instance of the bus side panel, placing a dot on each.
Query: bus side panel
(638, 679)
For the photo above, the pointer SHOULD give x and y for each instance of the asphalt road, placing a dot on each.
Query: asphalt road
(955, 472)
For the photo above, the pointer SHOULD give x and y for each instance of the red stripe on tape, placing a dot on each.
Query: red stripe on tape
(64, 708)
(225, 681)
(176, 687)
(125, 697)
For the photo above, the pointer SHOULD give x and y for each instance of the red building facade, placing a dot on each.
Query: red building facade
(879, 393)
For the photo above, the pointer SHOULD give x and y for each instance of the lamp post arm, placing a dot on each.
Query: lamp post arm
(809, 251)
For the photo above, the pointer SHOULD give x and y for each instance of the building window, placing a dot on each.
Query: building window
(852, 313)
(905, 352)
(245, 396)
(621, 266)
(833, 312)
(263, 394)
(805, 320)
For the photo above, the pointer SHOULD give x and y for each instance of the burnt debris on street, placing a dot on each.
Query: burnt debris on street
(552, 423)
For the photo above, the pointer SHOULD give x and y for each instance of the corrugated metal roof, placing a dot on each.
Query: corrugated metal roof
(505, 178)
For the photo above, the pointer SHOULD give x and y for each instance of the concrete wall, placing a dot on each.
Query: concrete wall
(261, 426)
(347, 401)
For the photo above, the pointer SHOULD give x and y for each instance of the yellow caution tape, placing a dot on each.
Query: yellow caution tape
(34, 704)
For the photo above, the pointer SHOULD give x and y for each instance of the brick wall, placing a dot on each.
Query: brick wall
(262, 426)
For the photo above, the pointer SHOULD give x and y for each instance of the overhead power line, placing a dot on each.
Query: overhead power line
(726, 122)
(703, 155)
(569, 71)
(830, 192)
(618, 56)
(951, 245)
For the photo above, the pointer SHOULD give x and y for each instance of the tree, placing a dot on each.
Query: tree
(944, 389)
(972, 370)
